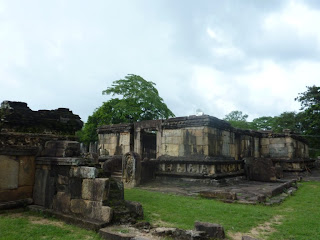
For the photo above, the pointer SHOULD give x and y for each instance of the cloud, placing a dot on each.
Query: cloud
(219, 56)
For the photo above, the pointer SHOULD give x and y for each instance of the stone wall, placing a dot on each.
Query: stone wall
(17, 163)
(17, 171)
(199, 146)
(18, 117)
(64, 184)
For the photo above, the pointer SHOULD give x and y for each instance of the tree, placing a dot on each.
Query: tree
(310, 104)
(262, 123)
(287, 120)
(237, 119)
(140, 101)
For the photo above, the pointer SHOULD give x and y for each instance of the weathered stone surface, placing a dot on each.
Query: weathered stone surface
(75, 187)
(106, 214)
(39, 192)
(78, 206)
(215, 231)
(92, 209)
(61, 202)
(61, 149)
(261, 169)
(15, 204)
(219, 194)
(95, 189)
(84, 172)
(131, 169)
(16, 194)
(9, 172)
(106, 233)
(135, 208)
(26, 170)
(180, 234)
(18, 117)
(62, 179)
(248, 238)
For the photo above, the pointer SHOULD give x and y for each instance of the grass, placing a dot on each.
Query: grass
(26, 225)
(299, 215)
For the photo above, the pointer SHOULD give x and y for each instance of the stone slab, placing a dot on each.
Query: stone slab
(61, 202)
(26, 170)
(84, 172)
(9, 172)
(16, 194)
(106, 233)
(15, 204)
(90, 224)
(214, 230)
(95, 189)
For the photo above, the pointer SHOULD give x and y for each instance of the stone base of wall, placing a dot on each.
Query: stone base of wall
(198, 167)
(294, 165)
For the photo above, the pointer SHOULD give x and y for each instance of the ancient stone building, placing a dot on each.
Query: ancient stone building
(201, 147)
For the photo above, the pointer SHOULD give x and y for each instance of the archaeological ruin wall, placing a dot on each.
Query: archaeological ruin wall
(200, 147)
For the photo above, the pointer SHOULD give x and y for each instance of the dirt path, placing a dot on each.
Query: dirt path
(261, 231)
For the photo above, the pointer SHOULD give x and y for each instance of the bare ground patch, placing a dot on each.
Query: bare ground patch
(261, 231)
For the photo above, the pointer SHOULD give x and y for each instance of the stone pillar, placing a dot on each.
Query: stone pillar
(131, 169)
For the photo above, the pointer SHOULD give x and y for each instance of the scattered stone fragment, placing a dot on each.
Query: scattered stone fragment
(212, 229)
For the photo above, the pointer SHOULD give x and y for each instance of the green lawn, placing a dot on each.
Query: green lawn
(297, 218)
(299, 215)
(16, 225)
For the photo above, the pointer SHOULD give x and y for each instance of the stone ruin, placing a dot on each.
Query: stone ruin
(41, 161)
(41, 164)
(200, 147)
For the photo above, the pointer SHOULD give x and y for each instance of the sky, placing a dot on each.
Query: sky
(217, 56)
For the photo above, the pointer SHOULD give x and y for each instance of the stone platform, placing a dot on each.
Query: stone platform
(240, 190)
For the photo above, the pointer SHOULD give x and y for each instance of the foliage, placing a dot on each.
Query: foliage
(27, 225)
(262, 123)
(310, 104)
(299, 214)
(237, 119)
(140, 101)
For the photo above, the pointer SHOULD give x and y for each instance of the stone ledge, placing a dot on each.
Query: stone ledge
(67, 161)
(202, 176)
(90, 224)
(16, 204)
(15, 150)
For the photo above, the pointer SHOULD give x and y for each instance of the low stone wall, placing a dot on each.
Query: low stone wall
(201, 167)
(66, 185)
(17, 169)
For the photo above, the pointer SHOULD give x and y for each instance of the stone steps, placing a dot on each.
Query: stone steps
(90, 224)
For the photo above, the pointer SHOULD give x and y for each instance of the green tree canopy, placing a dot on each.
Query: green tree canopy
(135, 100)
(310, 117)
(237, 119)
(262, 123)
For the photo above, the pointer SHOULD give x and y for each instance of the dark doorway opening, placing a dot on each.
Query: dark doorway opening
(149, 144)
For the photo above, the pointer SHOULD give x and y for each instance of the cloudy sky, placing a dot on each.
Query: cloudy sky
(217, 56)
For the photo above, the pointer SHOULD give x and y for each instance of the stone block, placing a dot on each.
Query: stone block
(215, 231)
(16, 194)
(95, 189)
(61, 202)
(41, 178)
(75, 187)
(260, 169)
(9, 172)
(84, 172)
(135, 208)
(62, 179)
(219, 194)
(26, 170)
(78, 206)
(106, 214)
(277, 140)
